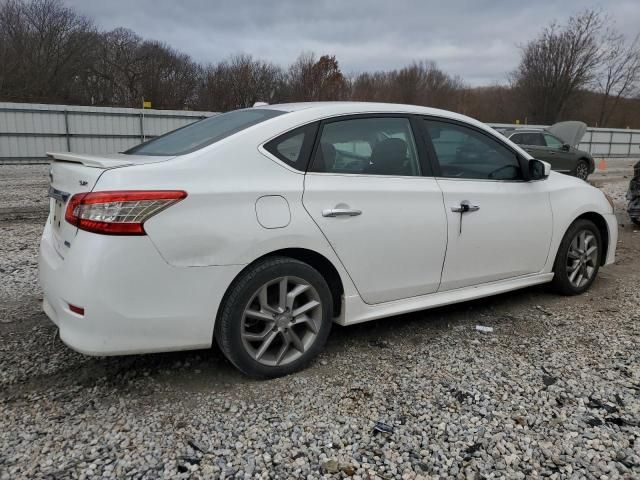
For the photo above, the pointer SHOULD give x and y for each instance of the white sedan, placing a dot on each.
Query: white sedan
(259, 228)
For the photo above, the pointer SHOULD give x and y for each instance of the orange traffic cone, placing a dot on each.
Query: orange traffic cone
(602, 165)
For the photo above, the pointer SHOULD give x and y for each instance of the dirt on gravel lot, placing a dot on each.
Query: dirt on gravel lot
(553, 392)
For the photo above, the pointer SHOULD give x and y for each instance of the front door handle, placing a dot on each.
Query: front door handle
(341, 212)
(464, 207)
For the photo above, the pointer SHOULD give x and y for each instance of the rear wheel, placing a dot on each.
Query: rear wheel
(578, 258)
(275, 318)
(582, 170)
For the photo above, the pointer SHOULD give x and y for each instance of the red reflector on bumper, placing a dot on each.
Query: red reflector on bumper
(78, 310)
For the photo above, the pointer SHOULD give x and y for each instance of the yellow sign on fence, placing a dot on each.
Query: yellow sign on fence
(146, 104)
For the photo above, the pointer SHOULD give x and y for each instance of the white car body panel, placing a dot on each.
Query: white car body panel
(411, 261)
(162, 291)
(508, 236)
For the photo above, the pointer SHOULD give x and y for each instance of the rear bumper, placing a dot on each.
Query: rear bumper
(134, 302)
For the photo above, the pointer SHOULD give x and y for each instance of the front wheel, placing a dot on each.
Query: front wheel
(275, 318)
(582, 170)
(578, 258)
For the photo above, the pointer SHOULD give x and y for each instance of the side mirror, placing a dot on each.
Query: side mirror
(566, 147)
(538, 170)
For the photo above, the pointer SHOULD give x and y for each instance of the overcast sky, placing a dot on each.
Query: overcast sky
(477, 40)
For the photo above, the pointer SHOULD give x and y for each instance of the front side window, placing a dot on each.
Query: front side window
(463, 152)
(205, 132)
(369, 146)
(552, 141)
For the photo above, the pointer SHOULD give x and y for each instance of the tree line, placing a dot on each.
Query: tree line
(49, 53)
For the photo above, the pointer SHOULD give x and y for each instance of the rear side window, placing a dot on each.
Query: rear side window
(528, 138)
(205, 132)
(294, 147)
(368, 146)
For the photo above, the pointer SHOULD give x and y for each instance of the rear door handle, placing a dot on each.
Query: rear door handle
(341, 212)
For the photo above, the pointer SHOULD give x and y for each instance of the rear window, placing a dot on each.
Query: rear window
(205, 132)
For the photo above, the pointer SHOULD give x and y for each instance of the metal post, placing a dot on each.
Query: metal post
(66, 130)
(142, 126)
(610, 142)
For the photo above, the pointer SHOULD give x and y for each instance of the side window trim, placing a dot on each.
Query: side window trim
(311, 132)
(436, 165)
(416, 131)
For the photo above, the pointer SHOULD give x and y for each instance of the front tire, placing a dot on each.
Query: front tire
(275, 318)
(578, 258)
(582, 170)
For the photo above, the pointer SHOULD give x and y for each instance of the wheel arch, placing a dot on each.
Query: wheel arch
(591, 163)
(601, 224)
(316, 260)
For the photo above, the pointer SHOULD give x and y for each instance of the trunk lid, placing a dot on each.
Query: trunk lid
(73, 173)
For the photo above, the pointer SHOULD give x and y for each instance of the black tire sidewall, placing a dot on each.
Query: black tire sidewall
(561, 279)
(586, 164)
(228, 323)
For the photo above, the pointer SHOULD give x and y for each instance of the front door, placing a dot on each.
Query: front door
(367, 192)
(564, 160)
(499, 225)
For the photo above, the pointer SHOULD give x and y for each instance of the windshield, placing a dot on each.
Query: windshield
(205, 132)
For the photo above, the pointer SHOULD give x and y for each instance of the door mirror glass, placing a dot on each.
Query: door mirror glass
(538, 170)
(566, 147)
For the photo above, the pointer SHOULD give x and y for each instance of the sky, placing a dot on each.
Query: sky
(477, 40)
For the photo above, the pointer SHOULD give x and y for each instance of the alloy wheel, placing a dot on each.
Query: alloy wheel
(582, 171)
(281, 321)
(582, 258)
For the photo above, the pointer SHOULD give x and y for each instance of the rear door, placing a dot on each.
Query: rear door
(378, 206)
(532, 142)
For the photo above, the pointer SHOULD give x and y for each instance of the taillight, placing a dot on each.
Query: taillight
(119, 212)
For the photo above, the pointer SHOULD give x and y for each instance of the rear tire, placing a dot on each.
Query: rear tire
(577, 261)
(582, 170)
(275, 318)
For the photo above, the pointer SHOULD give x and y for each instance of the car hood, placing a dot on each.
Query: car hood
(570, 132)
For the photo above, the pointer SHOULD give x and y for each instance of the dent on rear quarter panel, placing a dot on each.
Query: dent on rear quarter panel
(217, 223)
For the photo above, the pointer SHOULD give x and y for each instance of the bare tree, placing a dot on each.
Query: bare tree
(168, 78)
(239, 82)
(421, 83)
(316, 80)
(619, 73)
(44, 48)
(558, 64)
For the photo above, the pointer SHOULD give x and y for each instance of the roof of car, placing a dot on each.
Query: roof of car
(359, 107)
(327, 109)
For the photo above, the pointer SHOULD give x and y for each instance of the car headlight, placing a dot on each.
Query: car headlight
(610, 200)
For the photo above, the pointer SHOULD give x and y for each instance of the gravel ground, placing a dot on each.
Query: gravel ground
(553, 392)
